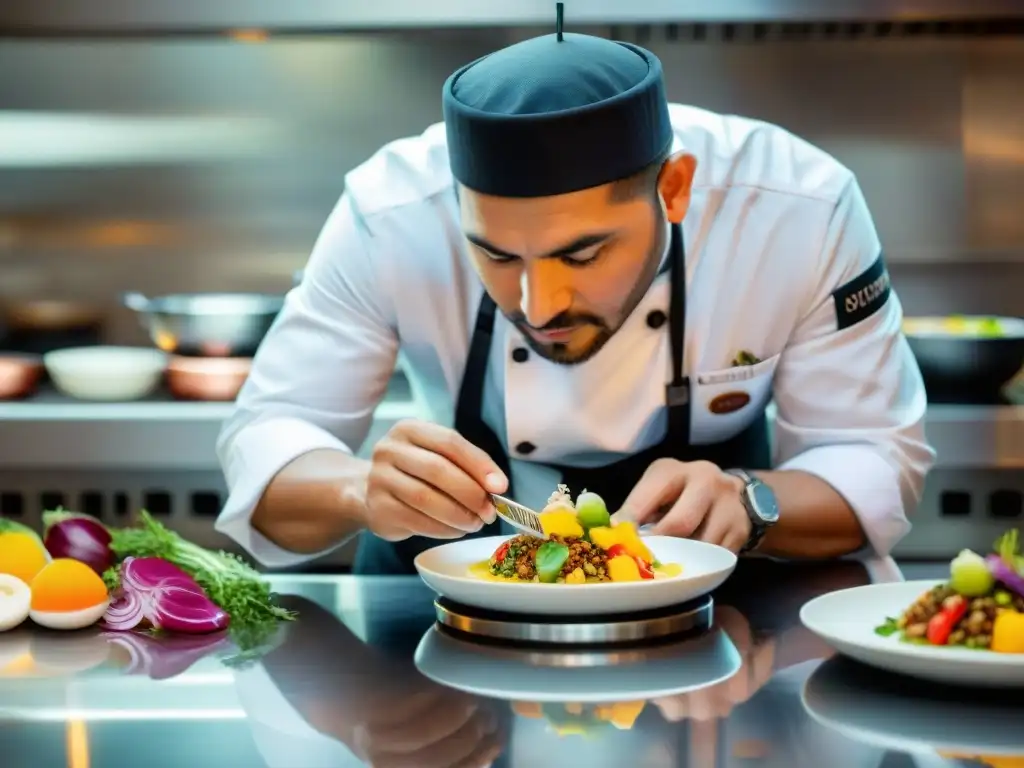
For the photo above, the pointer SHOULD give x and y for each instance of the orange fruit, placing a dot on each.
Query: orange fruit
(67, 585)
(21, 556)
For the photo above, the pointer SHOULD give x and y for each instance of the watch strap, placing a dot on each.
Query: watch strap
(758, 527)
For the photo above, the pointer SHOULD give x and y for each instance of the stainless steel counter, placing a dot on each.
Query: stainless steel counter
(363, 677)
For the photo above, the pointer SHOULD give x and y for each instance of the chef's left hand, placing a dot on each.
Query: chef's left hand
(694, 500)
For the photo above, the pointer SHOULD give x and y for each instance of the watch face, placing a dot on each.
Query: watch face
(765, 504)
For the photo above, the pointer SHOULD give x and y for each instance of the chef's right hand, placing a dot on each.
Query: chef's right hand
(428, 480)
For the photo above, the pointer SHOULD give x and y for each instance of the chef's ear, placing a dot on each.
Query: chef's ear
(674, 183)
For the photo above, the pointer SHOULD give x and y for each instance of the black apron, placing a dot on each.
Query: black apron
(750, 449)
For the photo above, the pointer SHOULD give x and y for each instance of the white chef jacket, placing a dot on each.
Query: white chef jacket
(775, 227)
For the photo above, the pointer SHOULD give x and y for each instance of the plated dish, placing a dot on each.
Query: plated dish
(980, 606)
(962, 630)
(582, 547)
(528, 575)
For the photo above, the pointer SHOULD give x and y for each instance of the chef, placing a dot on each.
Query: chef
(589, 286)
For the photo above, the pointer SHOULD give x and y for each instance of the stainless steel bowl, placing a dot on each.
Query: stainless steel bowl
(966, 359)
(207, 324)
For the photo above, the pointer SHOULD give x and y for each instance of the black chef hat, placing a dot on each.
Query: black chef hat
(555, 114)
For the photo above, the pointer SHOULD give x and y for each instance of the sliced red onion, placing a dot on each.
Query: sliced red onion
(1006, 574)
(126, 611)
(184, 610)
(145, 574)
(78, 537)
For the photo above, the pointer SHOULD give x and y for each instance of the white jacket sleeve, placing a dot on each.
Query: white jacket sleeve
(850, 398)
(317, 378)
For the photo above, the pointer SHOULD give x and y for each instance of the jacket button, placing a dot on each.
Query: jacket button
(656, 319)
(526, 448)
(520, 354)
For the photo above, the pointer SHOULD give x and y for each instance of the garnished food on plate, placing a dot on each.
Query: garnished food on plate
(981, 606)
(581, 546)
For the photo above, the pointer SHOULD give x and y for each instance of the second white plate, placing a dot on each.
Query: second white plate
(445, 569)
(846, 620)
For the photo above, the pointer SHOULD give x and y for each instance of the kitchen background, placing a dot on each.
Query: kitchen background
(177, 147)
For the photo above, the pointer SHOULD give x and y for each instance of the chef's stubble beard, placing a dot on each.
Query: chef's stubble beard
(559, 353)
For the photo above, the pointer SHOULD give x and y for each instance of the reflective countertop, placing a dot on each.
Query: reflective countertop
(364, 677)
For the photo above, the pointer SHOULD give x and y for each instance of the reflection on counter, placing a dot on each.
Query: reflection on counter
(857, 702)
(353, 682)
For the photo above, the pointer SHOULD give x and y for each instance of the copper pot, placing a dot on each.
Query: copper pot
(19, 375)
(207, 378)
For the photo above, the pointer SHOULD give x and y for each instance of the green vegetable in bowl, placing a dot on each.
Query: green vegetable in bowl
(551, 556)
(990, 327)
(591, 511)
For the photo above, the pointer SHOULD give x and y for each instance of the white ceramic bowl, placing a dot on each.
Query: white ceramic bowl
(106, 373)
(445, 569)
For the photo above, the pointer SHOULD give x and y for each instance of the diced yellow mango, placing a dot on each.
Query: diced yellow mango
(605, 537)
(623, 568)
(560, 523)
(576, 577)
(625, 713)
(1008, 632)
(629, 537)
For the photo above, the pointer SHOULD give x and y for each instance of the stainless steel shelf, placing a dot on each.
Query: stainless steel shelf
(52, 431)
(162, 16)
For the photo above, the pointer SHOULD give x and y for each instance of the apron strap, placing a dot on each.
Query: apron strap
(677, 391)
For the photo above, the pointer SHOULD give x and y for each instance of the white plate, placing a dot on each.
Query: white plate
(705, 567)
(846, 620)
(840, 696)
(567, 674)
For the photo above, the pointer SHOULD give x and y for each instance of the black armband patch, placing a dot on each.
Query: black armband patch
(860, 298)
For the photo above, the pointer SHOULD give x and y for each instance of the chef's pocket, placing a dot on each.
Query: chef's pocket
(726, 402)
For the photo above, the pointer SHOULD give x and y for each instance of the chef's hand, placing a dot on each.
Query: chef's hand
(428, 480)
(693, 499)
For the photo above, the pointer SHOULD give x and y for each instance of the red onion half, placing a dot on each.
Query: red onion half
(79, 537)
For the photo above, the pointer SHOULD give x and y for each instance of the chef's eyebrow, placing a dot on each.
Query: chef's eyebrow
(581, 243)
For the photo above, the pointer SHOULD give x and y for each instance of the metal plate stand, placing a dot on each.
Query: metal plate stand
(675, 621)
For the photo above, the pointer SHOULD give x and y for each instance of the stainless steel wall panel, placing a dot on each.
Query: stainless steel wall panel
(53, 16)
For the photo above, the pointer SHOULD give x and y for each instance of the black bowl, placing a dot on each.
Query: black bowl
(961, 365)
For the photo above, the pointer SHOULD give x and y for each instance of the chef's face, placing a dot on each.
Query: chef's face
(568, 270)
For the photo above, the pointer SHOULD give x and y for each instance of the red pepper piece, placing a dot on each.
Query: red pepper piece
(500, 552)
(941, 625)
(615, 550)
(646, 571)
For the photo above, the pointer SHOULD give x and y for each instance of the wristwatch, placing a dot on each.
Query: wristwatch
(762, 507)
